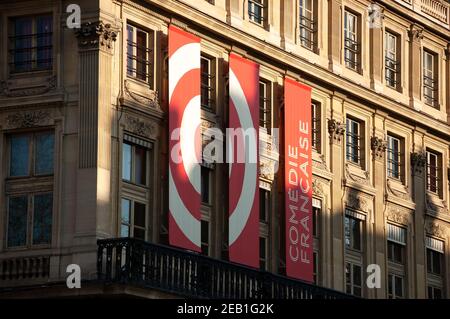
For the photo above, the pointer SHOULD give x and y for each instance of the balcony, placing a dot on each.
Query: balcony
(137, 263)
(435, 10)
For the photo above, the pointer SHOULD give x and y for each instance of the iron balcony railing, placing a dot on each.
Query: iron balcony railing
(134, 262)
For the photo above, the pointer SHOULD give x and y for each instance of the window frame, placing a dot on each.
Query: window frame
(394, 159)
(209, 104)
(316, 126)
(392, 64)
(430, 79)
(263, 5)
(149, 50)
(352, 45)
(391, 281)
(307, 24)
(351, 145)
(351, 284)
(351, 245)
(132, 225)
(437, 188)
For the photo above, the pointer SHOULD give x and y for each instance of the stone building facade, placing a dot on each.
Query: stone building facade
(84, 142)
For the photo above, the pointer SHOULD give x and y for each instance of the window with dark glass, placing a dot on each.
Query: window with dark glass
(257, 11)
(134, 163)
(315, 221)
(430, 78)
(133, 219)
(263, 253)
(434, 261)
(207, 82)
(205, 237)
(315, 267)
(391, 60)
(353, 141)
(395, 287)
(308, 25)
(433, 172)
(265, 105)
(316, 125)
(353, 279)
(352, 45)
(353, 233)
(396, 252)
(30, 43)
(205, 185)
(434, 292)
(394, 157)
(140, 47)
(264, 205)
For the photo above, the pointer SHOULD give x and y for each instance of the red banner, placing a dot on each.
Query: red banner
(184, 139)
(242, 152)
(298, 180)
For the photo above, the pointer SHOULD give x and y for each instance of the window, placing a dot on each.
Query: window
(315, 221)
(433, 172)
(434, 261)
(316, 127)
(263, 253)
(205, 237)
(31, 46)
(353, 279)
(140, 54)
(205, 185)
(353, 141)
(133, 221)
(396, 243)
(30, 213)
(307, 24)
(395, 287)
(265, 105)
(134, 162)
(434, 292)
(430, 83)
(257, 11)
(352, 47)
(315, 267)
(207, 82)
(31, 154)
(264, 217)
(353, 233)
(394, 157)
(264, 205)
(391, 60)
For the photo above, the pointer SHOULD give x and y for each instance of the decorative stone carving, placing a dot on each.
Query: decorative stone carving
(12, 88)
(436, 229)
(378, 147)
(352, 176)
(94, 35)
(356, 201)
(401, 193)
(418, 161)
(140, 127)
(415, 33)
(28, 119)
(317, 188)
(397, 214)
(150, 100)
(268, 155)
(436, 209)
(336, 130)
(320, 164)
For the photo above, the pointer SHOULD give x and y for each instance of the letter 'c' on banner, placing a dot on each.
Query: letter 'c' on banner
(185, 117)
(298, 180)
(243, 177)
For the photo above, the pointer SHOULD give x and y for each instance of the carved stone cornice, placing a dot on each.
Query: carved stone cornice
(317, 188)
(12, 88)
(415, 33)
(375, 15)
(436, 229)
(150, 99)
(378, 146)
(28, 119)
(398, 214)
(96, 35)
(336, 130)
(418, 161)
(362, 177)
(356, 201)
(140, 127)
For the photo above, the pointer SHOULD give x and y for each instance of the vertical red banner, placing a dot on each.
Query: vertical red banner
(243, 159)
(184, 139)
(298, 180)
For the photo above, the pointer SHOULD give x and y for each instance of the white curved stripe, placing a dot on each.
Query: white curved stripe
(190, 125)
(183, 60)
(240, 215)
(187, 223)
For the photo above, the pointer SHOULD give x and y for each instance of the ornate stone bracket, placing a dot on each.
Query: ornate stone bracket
(317, 188)
(96, 35)
(268, 155)
(336, 130)
(415, 33)
(418, 161)
(378, 147)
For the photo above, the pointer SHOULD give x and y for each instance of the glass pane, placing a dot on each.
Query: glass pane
(205, 231)
(141, 58)
(125, 231)
(429, 260)
(126, 162)
(130, 50)
(356, 232)
(436, 262)
(390, 290)
(140, 165)
(23, 29)
(17, 221)
(139, 214)
(357, 280)
(44, 42)
(398, 286)
(126, 210)
(44, 154)
(205, 185)
(347, 232)
(205, 78)
(42, 219)
(139, 233)
(20, 150)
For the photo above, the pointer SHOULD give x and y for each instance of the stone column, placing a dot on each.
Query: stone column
(288, 24)
(235, 12)
(447, 81)
(415, 65)
(378, 145)
(376, 49)
(94, 216)
(418, 166)
(334, 35)
(336, 129)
